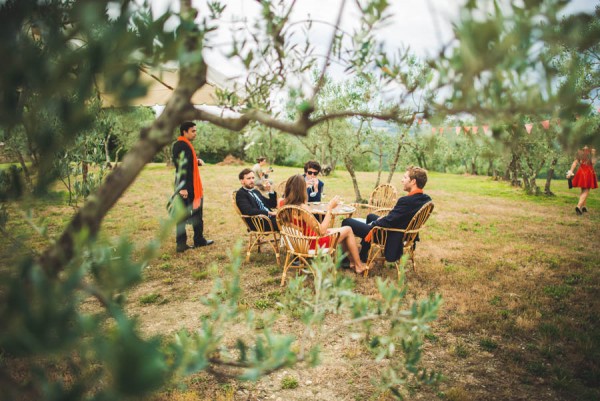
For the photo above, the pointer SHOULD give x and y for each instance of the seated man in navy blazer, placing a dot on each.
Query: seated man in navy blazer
(251, 202)
(413, 182)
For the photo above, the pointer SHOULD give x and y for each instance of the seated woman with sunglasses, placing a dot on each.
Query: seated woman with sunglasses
(314, 186)
(295, 195)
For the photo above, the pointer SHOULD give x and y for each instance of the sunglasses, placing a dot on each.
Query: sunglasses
(312, 172)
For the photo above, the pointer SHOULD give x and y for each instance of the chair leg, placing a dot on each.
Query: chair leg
(275, 247)
(285, 268)
(249, 249)
(373, 252)
(256, 240)
(414, 265)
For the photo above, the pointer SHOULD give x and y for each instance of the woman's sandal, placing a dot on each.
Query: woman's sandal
(359, 272)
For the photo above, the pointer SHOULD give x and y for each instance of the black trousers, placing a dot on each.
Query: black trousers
(195, 219)
(361, 230)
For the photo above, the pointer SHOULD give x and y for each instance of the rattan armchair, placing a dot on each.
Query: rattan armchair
(280, 189)
(260, 232)
(379, 238)
(383, 196)
(300, 234)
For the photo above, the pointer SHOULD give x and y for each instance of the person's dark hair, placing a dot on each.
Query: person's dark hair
(312, 164)
(185, 126)
(260, 159)
(244, 172)
(295, 190)
(419, 174)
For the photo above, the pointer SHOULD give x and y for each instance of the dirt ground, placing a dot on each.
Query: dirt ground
(490, 258)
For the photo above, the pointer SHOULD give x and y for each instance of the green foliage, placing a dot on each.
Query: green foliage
(289, 382)
(81, 167)
(558, 291)
(50, 84)
(11, 183)
(200, 275)
(278, 147)
(509, 65)
(120, 128)
(488, 344)
(399, 342)
(150, 298)
(461, 351)
(262, 304)
(43, 318)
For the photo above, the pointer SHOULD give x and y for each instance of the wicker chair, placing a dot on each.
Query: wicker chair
(263, 233)
(300, 231)
(280, 188)
(384, 196)
(380, 234)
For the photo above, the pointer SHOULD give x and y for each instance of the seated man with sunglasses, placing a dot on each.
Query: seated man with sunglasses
(314, 186)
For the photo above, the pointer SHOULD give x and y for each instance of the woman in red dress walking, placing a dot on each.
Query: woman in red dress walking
(585, 178)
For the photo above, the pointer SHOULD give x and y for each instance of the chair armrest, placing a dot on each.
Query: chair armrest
(380, 234)
(377, 228)
(383, 211)
(362, 209)
(310, 237)
(335, 237)
(398, 230)
(361, 205)
(261, 222)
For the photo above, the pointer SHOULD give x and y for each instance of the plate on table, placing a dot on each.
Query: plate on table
(346, 209)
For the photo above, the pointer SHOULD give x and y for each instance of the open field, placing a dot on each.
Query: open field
(519, 275)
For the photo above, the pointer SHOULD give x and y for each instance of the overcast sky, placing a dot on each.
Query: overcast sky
(413, 23)
(424, 25)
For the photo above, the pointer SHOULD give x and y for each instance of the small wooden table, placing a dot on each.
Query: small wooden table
(320, 208)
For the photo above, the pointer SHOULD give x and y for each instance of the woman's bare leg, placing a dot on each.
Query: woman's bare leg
(583, 197)
(349, 246)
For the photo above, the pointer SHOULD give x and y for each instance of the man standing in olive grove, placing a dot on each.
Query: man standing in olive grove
(191, 193)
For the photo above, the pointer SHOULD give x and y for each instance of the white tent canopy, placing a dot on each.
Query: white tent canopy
(162, 81)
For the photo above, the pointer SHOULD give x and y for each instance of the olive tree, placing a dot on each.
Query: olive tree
(59, 52)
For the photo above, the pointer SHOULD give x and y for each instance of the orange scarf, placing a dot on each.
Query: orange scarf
(415, 191)
(196, 180)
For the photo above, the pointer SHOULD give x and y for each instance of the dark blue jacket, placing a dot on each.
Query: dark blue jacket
(399, 217)
(249, 206)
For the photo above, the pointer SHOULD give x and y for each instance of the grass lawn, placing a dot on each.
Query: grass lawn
(519, 276)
